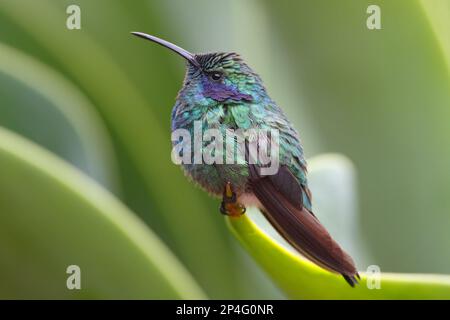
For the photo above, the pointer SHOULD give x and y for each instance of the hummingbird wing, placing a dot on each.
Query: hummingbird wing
(281, 196)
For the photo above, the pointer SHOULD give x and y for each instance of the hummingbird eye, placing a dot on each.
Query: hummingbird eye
(216, 75)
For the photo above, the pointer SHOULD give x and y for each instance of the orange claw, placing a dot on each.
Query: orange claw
(234, 209)
(230, 206)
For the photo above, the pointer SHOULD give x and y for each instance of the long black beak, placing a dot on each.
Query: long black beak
(185, 54)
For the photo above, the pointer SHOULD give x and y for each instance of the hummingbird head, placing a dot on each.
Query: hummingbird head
(215, 78)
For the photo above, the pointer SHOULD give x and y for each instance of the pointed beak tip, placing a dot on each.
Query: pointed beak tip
(136, 33)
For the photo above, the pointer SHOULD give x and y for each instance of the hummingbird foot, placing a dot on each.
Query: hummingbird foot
(229, 205)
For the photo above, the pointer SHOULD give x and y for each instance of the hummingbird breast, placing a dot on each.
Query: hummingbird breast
(264, 115)
(212, 177)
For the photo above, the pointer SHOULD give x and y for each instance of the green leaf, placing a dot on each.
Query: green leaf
(101, 62)
(42, 105)
(381, 97)
(299, 278)
(438, 14)
(53, 216)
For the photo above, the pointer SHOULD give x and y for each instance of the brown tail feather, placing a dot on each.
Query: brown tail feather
(303, 231)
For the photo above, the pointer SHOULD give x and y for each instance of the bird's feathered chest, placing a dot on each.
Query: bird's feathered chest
(262, 116)
(222, 116)
(222, 120)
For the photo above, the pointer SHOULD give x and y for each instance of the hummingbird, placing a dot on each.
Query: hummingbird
(221, 91)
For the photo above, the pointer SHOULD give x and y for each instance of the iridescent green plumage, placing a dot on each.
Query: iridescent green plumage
(243, 104)
(221, 92)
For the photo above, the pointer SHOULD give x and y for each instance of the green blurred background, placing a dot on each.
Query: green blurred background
(101, 100)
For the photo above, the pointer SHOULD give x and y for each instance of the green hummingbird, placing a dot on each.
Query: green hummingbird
(220, 91)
